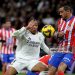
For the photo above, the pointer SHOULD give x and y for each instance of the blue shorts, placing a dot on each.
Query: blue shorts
(57, 58)
(7, 58)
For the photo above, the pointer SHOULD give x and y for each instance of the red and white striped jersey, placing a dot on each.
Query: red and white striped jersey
(6, 35)
(68, 27)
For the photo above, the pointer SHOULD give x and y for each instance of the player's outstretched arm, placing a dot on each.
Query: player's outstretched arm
(19, 33)
(45, 48)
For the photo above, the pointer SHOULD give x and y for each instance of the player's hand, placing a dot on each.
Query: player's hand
(60, 34)
(29, 26)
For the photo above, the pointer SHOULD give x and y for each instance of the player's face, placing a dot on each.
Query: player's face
(33, 26)
(62, 12)
(8, 24)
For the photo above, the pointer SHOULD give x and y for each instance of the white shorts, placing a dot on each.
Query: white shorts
(20, 64)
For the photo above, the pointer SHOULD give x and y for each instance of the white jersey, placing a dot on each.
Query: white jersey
(29, 44)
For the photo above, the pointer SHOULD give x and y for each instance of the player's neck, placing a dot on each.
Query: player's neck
(69, 16)
(34, 33)
(7, 28)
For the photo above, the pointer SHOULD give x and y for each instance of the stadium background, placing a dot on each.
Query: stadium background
(19, 11)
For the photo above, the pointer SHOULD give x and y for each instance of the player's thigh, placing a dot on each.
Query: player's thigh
(62, 66)
(55, 59)
(67, 60)
(18, 65)
(11, 71)
(36, 65)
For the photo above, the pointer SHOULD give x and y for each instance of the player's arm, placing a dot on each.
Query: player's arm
(45, 48)
(19, 33)
(43, 45)
(59, 35)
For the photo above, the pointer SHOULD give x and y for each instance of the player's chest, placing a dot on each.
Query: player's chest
(67, 27)
(34, 38)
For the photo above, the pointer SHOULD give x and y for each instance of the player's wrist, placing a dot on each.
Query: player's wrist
(56, 34)
(27, 27)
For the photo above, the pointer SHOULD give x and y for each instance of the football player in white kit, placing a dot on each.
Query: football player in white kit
(28, 49)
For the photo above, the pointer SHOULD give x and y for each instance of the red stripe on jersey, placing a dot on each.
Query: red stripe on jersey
(68, 35)
(6, 35)
(14, 40)
(61, 24)
(69, 30)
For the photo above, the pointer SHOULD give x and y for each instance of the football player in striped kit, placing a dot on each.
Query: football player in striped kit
(6, 44)
(64, 58)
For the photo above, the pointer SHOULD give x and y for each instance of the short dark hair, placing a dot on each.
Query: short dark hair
(32, 18)
(66, 7)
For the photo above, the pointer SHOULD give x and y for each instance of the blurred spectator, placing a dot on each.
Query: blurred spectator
(20, 11)
(43, 6)
(48, 20)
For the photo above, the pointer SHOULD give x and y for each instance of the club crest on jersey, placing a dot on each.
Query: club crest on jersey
(68, 27)
(29, 38)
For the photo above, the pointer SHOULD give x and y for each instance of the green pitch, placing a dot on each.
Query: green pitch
(0, 73)
(21, 74)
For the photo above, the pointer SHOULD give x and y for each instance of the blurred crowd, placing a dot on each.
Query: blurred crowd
(20, 11)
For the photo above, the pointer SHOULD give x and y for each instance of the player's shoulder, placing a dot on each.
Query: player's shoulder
(23, 28)
(13, 28)
(74, 17)
(41, 35)
(2, 29)
(59, 20)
